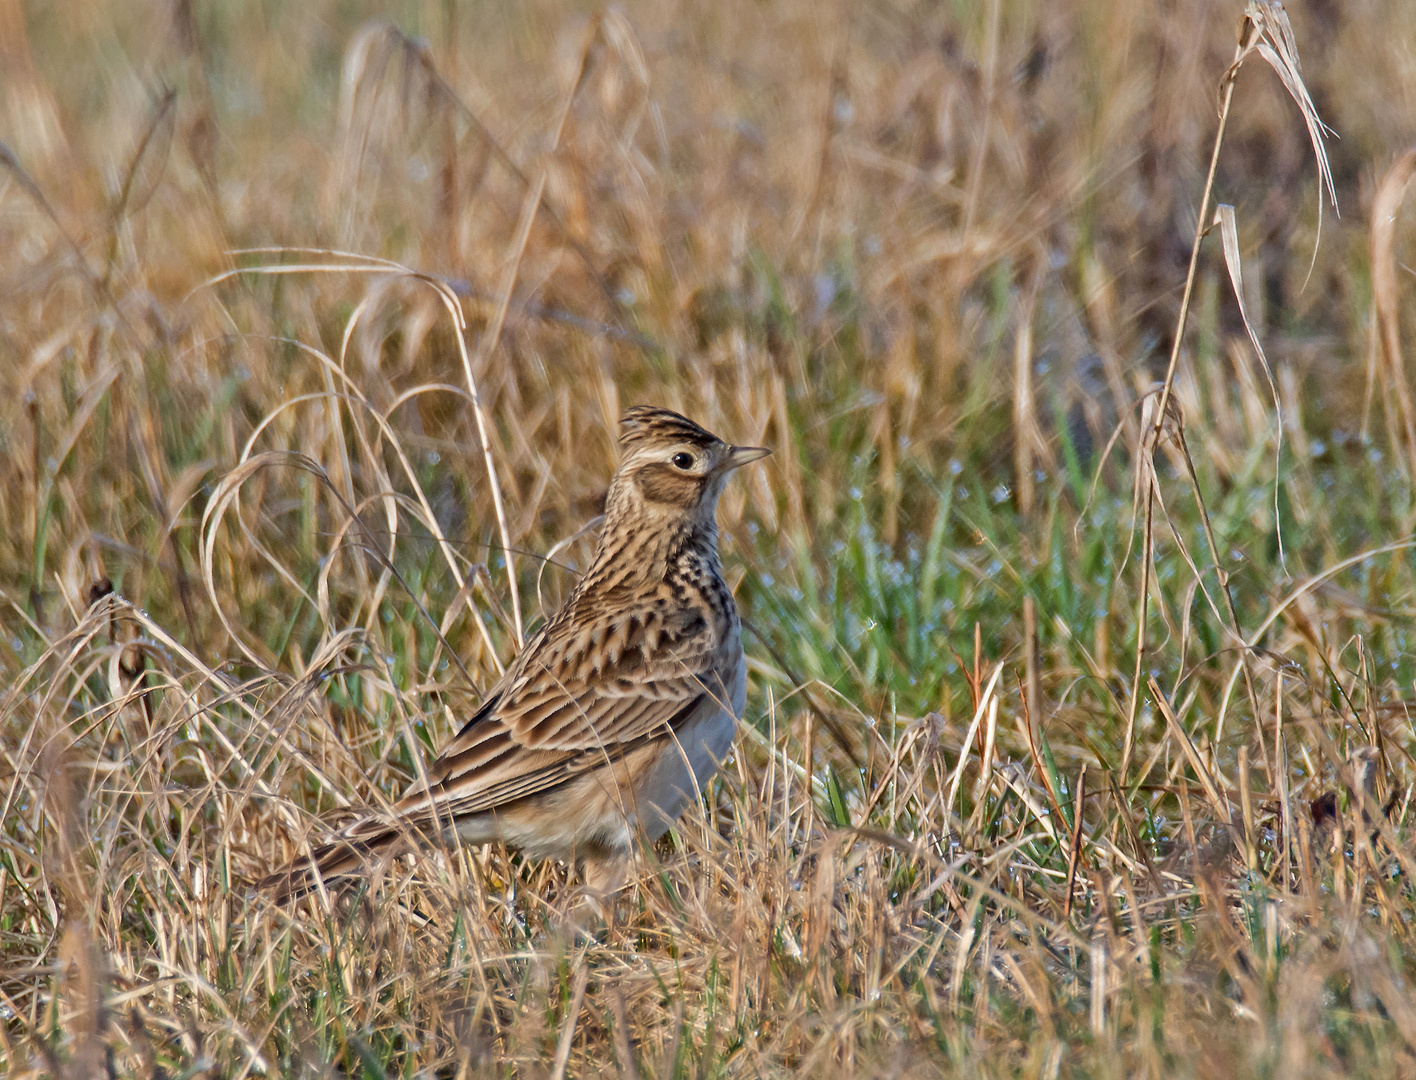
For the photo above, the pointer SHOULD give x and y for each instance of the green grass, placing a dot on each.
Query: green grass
(820, 230)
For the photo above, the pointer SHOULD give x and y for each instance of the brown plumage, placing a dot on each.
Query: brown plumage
(619, 708)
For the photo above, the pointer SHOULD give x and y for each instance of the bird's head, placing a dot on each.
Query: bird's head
(671, 465)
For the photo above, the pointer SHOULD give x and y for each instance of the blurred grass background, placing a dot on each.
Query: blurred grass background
(933, 255)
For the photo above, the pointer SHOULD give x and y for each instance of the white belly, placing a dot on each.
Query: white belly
(687, 761)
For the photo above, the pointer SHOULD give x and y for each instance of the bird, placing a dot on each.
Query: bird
(617, 711)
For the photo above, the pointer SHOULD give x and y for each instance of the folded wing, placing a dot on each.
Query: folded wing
(574, 701)
(583, 693)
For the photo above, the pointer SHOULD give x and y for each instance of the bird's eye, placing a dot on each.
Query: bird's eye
(683, 461)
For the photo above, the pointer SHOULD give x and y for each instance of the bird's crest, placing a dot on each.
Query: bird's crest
(644, 423)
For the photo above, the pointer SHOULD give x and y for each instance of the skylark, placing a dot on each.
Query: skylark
(620, 707)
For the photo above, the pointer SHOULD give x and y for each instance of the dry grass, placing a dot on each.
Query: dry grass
(1063, 754)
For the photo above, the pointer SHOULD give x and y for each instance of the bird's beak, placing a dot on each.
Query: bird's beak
(739, 456)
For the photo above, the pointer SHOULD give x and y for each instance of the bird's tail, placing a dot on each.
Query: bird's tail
(351, 854)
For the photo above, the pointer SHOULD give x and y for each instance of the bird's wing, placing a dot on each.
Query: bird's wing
(583, 693)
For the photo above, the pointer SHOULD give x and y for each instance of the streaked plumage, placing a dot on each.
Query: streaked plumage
(620, 707)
